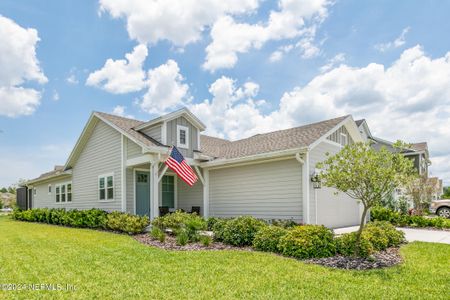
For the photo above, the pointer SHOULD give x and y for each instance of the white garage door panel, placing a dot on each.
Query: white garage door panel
(336, 211)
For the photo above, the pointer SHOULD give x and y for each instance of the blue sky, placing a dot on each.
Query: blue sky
(385, 61)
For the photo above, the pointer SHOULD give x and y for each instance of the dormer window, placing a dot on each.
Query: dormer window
(182, 136)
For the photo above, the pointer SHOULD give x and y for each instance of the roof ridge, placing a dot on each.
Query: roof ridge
(117, 116)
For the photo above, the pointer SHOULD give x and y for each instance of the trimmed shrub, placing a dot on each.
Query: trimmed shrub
(377, 237)
(268, 238)
(345, 245)
(395, 237)
(211, 222)
(180, 221)
(241, 231)
(398, 219)
(284, 223)
(219, 229)
(127, 223)
(308, 241)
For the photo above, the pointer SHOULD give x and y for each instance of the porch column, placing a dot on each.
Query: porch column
(154, 190)
(205, 193)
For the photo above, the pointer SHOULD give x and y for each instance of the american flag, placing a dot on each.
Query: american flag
(178, 164)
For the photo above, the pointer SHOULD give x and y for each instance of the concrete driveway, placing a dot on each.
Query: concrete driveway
(412, 234)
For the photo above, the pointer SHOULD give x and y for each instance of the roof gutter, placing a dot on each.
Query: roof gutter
(253, 158)
(59, 174)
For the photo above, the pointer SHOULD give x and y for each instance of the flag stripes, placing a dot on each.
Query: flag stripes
(177, 163)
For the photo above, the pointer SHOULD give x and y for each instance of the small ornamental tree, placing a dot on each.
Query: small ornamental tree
(366, 175)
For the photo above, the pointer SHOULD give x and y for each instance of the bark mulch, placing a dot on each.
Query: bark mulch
(170, 244)
(383, 259)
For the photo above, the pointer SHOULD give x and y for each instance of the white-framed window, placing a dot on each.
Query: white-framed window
(344, 139)
(34, 192)
(106, 187)
(182, 136)
(49, 189)
(63, 192)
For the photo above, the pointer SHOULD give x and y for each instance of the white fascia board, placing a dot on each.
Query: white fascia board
(181, 112)
(262, 156)
(52, 177)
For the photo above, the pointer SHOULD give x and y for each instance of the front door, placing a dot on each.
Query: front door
(142, 193)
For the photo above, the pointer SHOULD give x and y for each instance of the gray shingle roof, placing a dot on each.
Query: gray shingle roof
(127, 125)
(359, 122)
(292, 138)
(423, 146)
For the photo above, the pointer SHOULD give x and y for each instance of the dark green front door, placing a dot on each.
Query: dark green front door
(142, 193)
(168, 191)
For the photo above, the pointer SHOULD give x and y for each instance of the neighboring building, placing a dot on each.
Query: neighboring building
(438, 188)
(117, 164)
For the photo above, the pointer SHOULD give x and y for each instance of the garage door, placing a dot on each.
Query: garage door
(336, 211)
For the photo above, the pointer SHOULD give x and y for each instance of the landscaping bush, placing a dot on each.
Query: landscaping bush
(93, 218)
(345, 245)
(158, 234)
(308, 241)
(268, 238)
(211, 222)
(241, 231)
(395, 237)
(205, 240)
(127, 223)
(398, 219)
(179, 221)
(377, 237)
(219, 229)
(182, 237)
(284, 223)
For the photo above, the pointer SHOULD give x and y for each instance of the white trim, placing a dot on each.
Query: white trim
(175, 190)
(305, 188)
(105, 176)
(164, 133)
(345, 137)
(199, 174)
(276, 155)
(59, 185)
(206, 193)
(179, 144)
(123, 178)
(332, 143)
(162, 172)
(198, 140)
(143, 159)
(173, 115)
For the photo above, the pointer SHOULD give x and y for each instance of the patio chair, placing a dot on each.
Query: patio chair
(163, 210)
(195, 209)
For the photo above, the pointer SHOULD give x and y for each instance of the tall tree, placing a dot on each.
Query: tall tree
(366, 175)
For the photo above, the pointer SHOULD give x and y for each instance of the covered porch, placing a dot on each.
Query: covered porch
(152, 188)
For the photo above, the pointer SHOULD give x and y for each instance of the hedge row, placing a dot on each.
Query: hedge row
(92, 218)
(304, 241)
(403, 220)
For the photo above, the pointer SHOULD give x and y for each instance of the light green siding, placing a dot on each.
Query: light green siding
(172, 135)
(100, 155)
(133, 149)
(190, 196)
(336, 136)
(153, 131)
(271, 190)
(45, 199)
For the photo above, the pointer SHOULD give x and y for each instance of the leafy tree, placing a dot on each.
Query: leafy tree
(3, 190)
(12, 190)
(446, 193)
(421, 192)
(366, 175)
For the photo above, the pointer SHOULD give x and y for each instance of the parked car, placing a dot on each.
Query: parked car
(441, 208)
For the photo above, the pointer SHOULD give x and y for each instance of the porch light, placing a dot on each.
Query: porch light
(315, 179)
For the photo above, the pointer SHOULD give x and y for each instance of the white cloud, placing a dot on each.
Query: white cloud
(230, 38)
(166, 89)
(408, 100)
(398, 42)
(72, 78)
(278, 54)
(19, 65)
(55, 95)
(333, 62)
(178, 21)
(119, 110)
(123, 75)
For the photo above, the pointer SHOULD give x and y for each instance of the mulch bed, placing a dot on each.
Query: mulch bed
(388, 258)
(170, 244)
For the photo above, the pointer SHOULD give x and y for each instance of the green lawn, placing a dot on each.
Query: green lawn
(109, 266)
